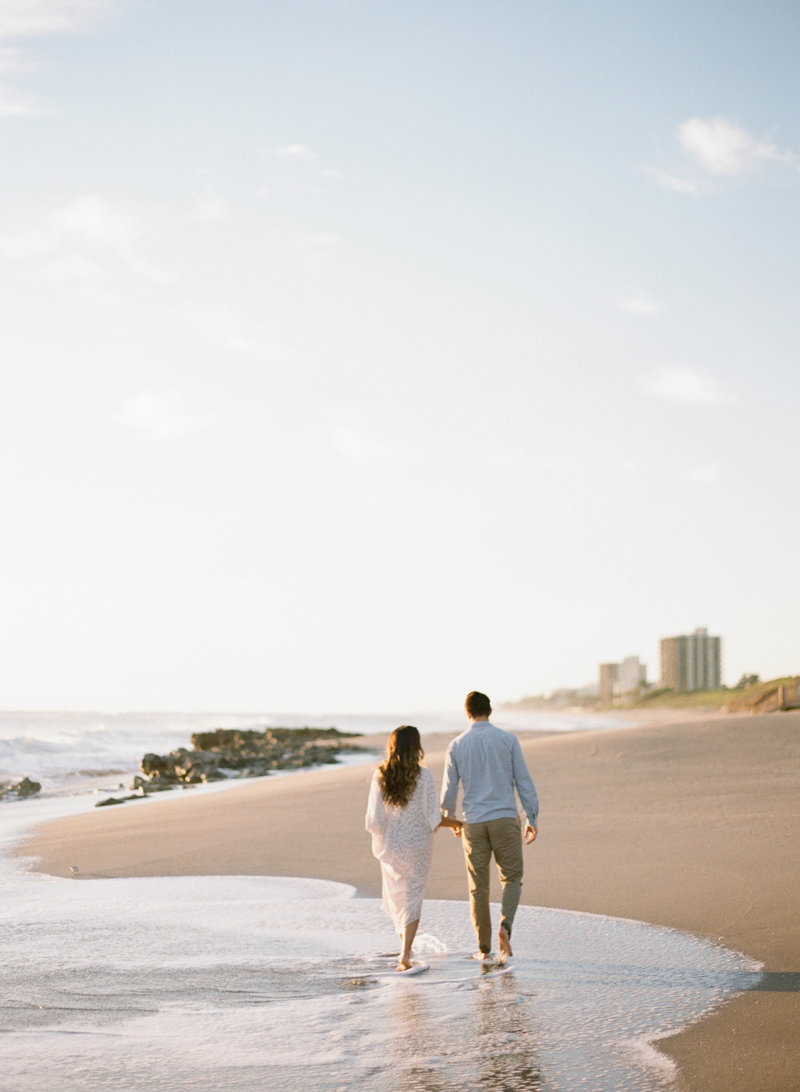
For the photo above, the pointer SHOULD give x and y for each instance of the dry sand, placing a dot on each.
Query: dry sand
(694, 825)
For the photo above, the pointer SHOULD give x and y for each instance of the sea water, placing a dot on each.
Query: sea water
(262, 983)
(245, 983)
(66, 751)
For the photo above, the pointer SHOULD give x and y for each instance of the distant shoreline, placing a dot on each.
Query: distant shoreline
(758, 697)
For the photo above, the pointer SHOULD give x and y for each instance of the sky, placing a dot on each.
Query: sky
(355, 354)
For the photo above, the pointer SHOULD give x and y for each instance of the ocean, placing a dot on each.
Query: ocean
(74, 752)
(245, 983)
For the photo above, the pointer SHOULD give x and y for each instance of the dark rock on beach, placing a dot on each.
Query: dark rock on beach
(233, 752)
(20, 790)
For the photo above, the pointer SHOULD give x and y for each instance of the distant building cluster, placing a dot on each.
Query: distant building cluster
(622, 678)
(689, 662)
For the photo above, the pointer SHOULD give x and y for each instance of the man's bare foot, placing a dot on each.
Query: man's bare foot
(503, 944)
(403, 965)
(482, 957)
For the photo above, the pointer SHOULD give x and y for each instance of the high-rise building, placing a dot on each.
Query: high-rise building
(607, 682)
(632, 674)
(617, 679)
(691, 662)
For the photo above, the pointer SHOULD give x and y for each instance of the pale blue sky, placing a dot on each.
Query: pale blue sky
(356, 353)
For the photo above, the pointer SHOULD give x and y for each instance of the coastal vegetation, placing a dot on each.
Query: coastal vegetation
(753, 696)
(750, 695)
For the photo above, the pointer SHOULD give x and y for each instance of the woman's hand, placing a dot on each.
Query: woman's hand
(454, 824)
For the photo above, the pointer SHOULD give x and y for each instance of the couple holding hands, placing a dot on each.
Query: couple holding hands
(404, 809)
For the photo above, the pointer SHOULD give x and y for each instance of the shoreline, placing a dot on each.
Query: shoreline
(33, 748)
(687, 823)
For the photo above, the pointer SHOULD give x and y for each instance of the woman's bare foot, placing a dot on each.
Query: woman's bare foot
(503, 944)
(406, 940)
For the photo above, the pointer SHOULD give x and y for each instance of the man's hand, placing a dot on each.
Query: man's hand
(530, 834)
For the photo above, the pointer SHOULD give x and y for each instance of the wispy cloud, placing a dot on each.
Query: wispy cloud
(96, 220)
(87, 231)
(721, 147)
(234, 332)
(26, 18)
(638, 303)
(314, 249)
(28, 245)
(705, 474)
(318, 240)
(669, 181)
(162, 415)
(74, 269)
(209, 207)
(680, 384)
(13, 105)
(714, 149)
(14, 60)
(294, 153)
(302, 155)
(114, 233)
(245, 345)
(317, 245)
(355, 447)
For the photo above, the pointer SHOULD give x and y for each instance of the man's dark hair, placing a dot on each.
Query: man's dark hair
(477, 705)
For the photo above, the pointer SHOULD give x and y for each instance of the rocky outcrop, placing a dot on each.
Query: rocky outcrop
(232, 752)
(19, 790)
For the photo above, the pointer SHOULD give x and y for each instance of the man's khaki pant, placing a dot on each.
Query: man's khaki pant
(503, 839)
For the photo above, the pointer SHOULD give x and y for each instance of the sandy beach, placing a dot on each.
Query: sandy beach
(692, 824)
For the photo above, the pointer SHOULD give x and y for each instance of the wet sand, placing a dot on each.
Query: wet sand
(694, 825)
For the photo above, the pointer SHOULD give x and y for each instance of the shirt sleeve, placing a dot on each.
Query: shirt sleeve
(433, 812)
(524, 783)
(375, 819)
(449, 782)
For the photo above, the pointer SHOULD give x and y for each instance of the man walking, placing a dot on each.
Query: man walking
(490, 765)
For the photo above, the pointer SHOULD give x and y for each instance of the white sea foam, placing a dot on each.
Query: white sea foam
(253, 982)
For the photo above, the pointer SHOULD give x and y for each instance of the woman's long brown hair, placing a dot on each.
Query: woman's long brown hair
(400, 771)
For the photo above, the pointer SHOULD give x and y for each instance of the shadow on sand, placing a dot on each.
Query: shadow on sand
(779, 982)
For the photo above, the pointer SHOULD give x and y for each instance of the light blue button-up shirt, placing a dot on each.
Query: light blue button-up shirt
(490, 765)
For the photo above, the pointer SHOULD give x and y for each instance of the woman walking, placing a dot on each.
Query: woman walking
(402, 814)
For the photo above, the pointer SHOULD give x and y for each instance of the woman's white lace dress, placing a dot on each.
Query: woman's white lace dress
(402, 840)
